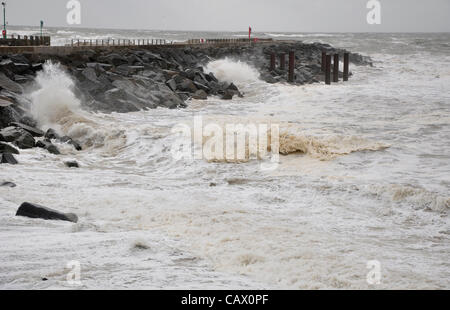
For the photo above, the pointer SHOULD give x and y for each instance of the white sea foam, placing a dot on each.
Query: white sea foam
(233, 71)
(54, 98)
(195, 224)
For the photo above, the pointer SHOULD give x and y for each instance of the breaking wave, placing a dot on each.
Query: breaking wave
(55, 105)
(291, 140)
(233, 71)
(418, 197)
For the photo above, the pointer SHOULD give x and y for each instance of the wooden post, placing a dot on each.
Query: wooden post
(328, 70)
(324, 61)
(336, 68)
(283, 61)
(346, 65)
(272, 62)
(291, 66)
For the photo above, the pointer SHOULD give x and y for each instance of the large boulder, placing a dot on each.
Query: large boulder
(200, 95)
(6, 148)
(25, 141)
(37, 211)
(47, 145)
(7, 184)
(8, 158)
(114, 59)
(10, 134)
(35, 132)
(227, 95)
(72, 164)
(69, 140)
(187, 85)
(15, 67)
(9, 85)
(51, 134)
(7, 115)
(172, 84)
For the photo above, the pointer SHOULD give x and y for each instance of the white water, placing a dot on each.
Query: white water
(312, 223)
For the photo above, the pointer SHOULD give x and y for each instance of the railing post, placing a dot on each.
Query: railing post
(324, 61)
(336, 68)
(328, 70)
(291, 66)
(272, 62)
(283, 61)
(346, 65)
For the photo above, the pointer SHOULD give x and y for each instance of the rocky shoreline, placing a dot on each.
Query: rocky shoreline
(130, 80)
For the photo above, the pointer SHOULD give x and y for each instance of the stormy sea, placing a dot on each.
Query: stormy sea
(363, 179)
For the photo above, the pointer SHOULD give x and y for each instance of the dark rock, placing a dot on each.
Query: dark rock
(25, 141)
(50, 147)
(8, 184)
(28, 121)
(6, 148)
(114, 59)
(8, 84)
(32, 130)
(187, 85)
(72, 164)
(227, 95)
(7, 115)
(232, 87)
(202, 86)
(69, 140)
(5, 102)
(10, 134)
(90, 74)
(211, 78)
(52, 134)
(36, 67)
(200, 95)
(8, 158)
(128, 70)
(172, 84)
(15, 67)
(38, 211)
(183, 95)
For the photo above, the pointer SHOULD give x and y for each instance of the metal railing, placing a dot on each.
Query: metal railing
(118, 42)
(25, 41)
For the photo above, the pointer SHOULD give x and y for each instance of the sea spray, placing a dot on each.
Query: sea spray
(55, 105)
(54, 98)
(233, 71)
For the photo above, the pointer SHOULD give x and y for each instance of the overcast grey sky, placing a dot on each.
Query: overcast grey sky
(237, 15)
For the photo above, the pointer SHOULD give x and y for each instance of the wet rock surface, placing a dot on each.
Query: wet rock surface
(128, 80)
(37, 211)
(8, 158)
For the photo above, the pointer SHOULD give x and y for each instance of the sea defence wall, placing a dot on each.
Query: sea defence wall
(118, 45)
(25, 41)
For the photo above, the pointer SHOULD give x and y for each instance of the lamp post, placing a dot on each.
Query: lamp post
(4, 20)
